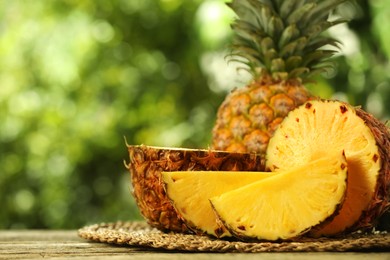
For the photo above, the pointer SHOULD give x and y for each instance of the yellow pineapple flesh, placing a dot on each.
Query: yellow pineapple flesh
(190, 191)
(319, 128)
(286, 205)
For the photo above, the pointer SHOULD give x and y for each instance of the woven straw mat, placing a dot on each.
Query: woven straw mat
(142, 235)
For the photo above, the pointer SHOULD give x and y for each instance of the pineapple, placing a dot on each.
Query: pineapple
(286, 205)
(194, 206)
(147, 163)
(281, 44)
(321, 127)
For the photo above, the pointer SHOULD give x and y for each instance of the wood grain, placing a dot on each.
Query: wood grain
(58, 244)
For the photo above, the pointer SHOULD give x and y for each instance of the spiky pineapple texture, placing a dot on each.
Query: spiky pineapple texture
(281, 43)
(283, 39)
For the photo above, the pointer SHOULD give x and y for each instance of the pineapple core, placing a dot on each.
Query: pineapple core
(285, 205)
(321, 128)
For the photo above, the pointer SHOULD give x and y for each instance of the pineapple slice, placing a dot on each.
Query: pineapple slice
(190, 191)
(285, 205)
(324, 127)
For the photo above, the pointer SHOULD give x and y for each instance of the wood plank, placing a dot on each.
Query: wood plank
(37, 244)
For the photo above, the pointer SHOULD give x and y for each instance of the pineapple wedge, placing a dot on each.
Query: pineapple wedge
(287, 204)
(189, 192)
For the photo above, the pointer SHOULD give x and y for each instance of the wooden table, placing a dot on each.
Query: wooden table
(58, 244)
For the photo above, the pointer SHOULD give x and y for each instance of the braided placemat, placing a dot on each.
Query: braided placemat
(141, 234)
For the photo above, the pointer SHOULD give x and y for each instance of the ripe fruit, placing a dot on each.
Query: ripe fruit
(285, 205)
(319, 128)
(190, 192)
(281, 44)
(147, 163)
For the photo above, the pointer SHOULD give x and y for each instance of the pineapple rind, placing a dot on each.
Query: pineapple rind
(145, 167)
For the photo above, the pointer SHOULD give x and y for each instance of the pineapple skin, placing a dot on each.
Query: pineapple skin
(147, 164)
(379, 208)
(248, 116)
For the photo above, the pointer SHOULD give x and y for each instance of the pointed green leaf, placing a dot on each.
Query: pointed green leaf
(298, 72)
(314, 30)
(321, 42)
(293, 62)
(269, 55)
(286, 7)
(278, 65)
(323, 9)
(267, 44)
(317, 57)
(293, 48)
(275, 27)
(297, 14)
(289, 34)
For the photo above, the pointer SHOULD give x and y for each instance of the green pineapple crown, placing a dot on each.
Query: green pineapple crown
(283, 38)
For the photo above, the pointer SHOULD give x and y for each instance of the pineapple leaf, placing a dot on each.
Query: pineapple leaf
(247, 30)
(267, 43)
(278, 65)
(275, 27)
(290, 33)
(316, 56)
(293, 47)
(293, 62)
(286, 7)
(269, 55)
(314, 30)
(298, 72)
(297, 15)
(322, 10)
(324, 67)
(269, 30)
(264, 14)
(320, 42)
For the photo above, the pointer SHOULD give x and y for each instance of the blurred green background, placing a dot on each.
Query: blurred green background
(76, 77)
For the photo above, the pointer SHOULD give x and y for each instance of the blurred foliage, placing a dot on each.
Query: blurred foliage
(76, 77)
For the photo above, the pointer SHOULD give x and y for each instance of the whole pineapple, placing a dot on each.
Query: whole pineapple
(282, 45)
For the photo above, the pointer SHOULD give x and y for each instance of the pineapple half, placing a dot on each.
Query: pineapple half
(190, 192)
(282, 45)
(147, 162)
(286, 205)
(322, 127)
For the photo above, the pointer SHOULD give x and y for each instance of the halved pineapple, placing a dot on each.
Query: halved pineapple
(285, 205)
(145, 167)
(321, 127)
(190, 191)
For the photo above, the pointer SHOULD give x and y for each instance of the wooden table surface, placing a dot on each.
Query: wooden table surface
(60, 244)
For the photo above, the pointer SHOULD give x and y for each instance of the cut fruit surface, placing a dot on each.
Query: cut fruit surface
(320, 128)
(285, 205)
(190, 192)
(145, 167)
